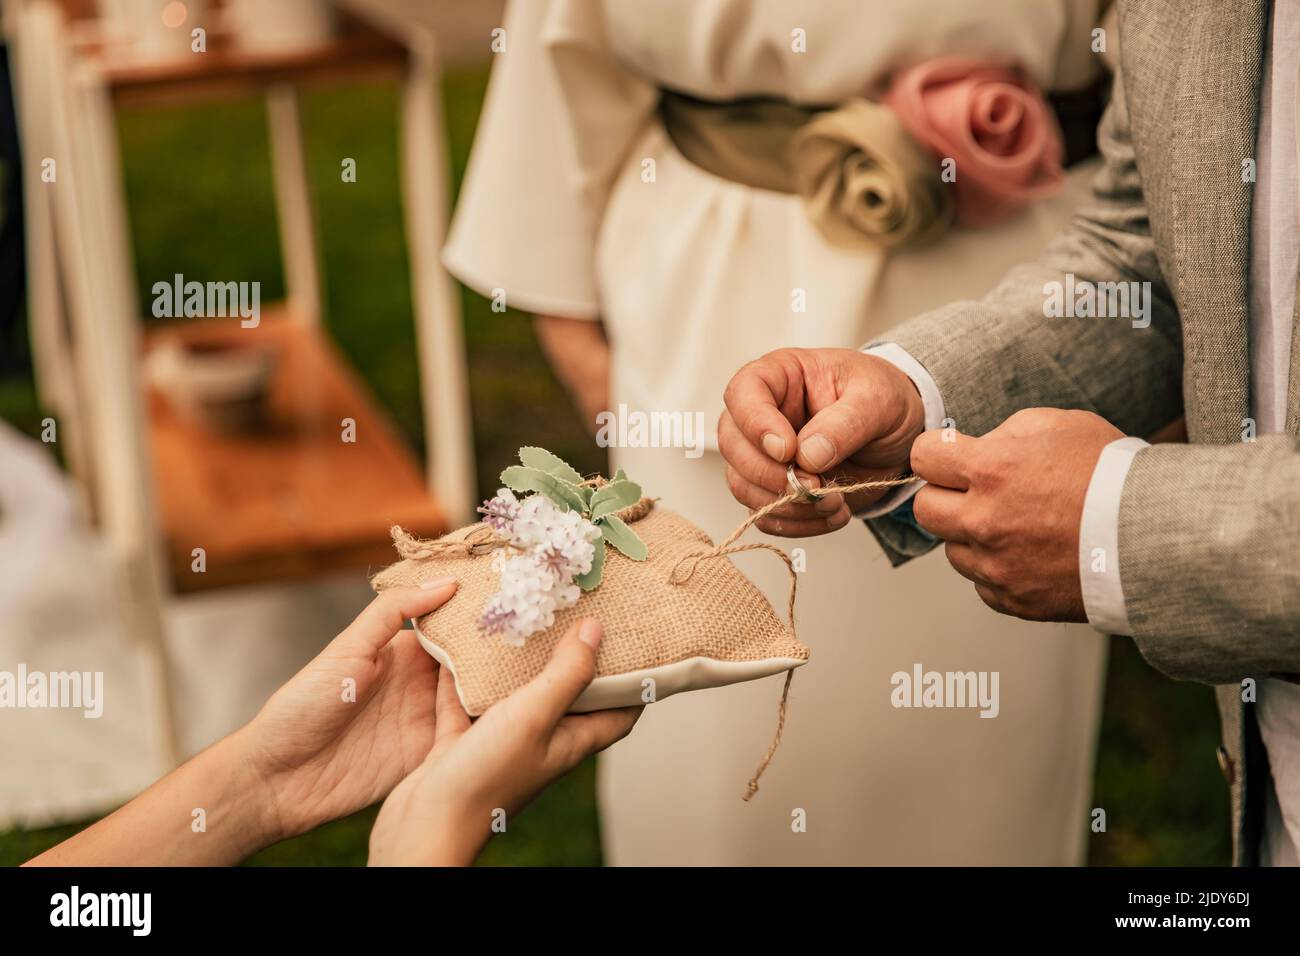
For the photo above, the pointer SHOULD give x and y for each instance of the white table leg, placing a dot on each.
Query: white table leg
(443, 375)
(293, 202)
(95, 256)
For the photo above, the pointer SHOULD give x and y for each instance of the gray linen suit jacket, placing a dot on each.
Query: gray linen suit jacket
(1209, 537)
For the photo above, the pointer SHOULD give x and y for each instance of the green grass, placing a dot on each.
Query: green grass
(19, 406)
(201, 204)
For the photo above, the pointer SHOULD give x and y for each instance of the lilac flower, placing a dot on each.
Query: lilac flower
(496, 619)
(549, 548)
(500, 512)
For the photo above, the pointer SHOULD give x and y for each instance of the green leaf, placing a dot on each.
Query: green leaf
(614, 496)
(519, 478)
(591, 580)
(619, 475)
(622, 537)
(543, 460)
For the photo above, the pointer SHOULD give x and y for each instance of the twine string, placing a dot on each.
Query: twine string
(691, 562)
(751, 788)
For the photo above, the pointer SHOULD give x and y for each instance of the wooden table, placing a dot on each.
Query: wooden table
(290, 499)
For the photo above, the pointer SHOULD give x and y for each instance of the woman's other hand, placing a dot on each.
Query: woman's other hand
(479, 775)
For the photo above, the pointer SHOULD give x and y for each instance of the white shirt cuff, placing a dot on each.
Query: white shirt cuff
(931, 400)
(1103, 592)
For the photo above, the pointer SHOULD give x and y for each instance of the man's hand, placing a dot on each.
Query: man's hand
(836, 413)
(1009, 506)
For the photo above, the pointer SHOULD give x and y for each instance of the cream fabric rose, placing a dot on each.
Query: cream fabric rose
(863, 178)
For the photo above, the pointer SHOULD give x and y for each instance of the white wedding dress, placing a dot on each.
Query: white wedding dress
(577, 204)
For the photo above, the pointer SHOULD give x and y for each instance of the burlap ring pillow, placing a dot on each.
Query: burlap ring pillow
(681, 618)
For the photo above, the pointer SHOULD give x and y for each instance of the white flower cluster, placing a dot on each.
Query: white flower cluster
(548, 548)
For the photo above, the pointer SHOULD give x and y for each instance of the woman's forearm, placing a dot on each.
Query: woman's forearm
(214, 810)
(579, 353)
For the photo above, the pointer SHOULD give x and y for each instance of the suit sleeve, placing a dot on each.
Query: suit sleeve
(1008, 351)
(1209, 556)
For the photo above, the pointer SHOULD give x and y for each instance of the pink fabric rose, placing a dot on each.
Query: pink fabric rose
(992, 122)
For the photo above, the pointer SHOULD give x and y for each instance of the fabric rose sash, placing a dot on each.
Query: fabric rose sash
(861, 175)
(951, 139)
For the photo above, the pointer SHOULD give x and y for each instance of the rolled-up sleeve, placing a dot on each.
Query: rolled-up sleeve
(560, 116)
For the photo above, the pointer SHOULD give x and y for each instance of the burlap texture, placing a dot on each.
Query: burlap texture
(648, 620)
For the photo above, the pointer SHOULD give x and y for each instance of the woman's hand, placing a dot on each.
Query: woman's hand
(371, 714)
(352, 723)
(336, 738)
(579, 353)
(479, 775)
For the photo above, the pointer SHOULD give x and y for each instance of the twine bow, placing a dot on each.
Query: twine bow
(479, 540)
(692, 561)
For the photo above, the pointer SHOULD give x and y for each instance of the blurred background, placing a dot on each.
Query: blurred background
(128, 441)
